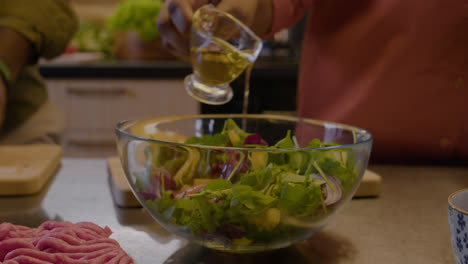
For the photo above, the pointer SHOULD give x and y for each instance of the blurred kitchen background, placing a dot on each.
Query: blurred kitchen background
(115, 69)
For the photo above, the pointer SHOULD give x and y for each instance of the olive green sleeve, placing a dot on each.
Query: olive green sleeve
(47, 24)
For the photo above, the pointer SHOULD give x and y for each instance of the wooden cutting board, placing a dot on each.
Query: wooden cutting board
(122, 194)
(370, 185)
(25, 169)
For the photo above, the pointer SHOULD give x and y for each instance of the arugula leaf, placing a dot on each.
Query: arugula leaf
(293, 198)
(250, 179)
(217, 185)
(277, 157)
(351, 160)
(185, 204)
(300, 199)
(248, 201)
(286, 142)
(294, 159)
(241, 195)
(346, 175)
(316, 143)
(262, 180)
(164, 205)
(262, 199)
(184, 211)
(206, 210)
(231, 125)
(298, 160)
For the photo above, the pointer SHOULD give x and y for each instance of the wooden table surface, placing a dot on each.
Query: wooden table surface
(406, 224)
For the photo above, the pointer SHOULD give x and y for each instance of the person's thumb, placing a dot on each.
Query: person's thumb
(181, 14)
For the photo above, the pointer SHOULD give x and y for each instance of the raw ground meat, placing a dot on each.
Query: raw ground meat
(60, 243)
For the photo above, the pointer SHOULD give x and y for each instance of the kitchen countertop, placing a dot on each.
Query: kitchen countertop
(406, 224)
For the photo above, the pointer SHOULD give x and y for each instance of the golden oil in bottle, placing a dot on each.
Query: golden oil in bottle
(219, 64)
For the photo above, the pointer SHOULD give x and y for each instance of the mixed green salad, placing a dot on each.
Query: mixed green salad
(243, 197)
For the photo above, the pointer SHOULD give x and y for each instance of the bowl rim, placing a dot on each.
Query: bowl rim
(452, 204)
(354, 129)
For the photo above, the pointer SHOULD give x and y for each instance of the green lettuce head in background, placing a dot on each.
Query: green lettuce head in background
(136, 15)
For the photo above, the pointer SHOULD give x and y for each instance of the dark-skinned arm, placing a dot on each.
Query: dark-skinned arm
(30, 29)
(15, 51)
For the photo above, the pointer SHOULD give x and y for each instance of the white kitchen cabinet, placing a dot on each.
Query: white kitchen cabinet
(93, 107)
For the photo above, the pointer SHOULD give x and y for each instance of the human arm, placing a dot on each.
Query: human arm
(2, 100)
(48, 25)
(30, 29)
(15, 51)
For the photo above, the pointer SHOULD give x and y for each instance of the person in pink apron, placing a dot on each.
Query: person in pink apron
(396, 68)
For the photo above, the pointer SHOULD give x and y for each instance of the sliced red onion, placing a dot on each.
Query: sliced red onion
(218, 238)
(148, 195)
(231, 231)
(255, 139)
(224, 170)
(154, 186)
(225, 234)
(183, 194)
(331, 195)
(169, 183)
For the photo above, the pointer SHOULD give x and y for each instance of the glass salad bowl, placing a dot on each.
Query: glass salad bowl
(242, 183)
